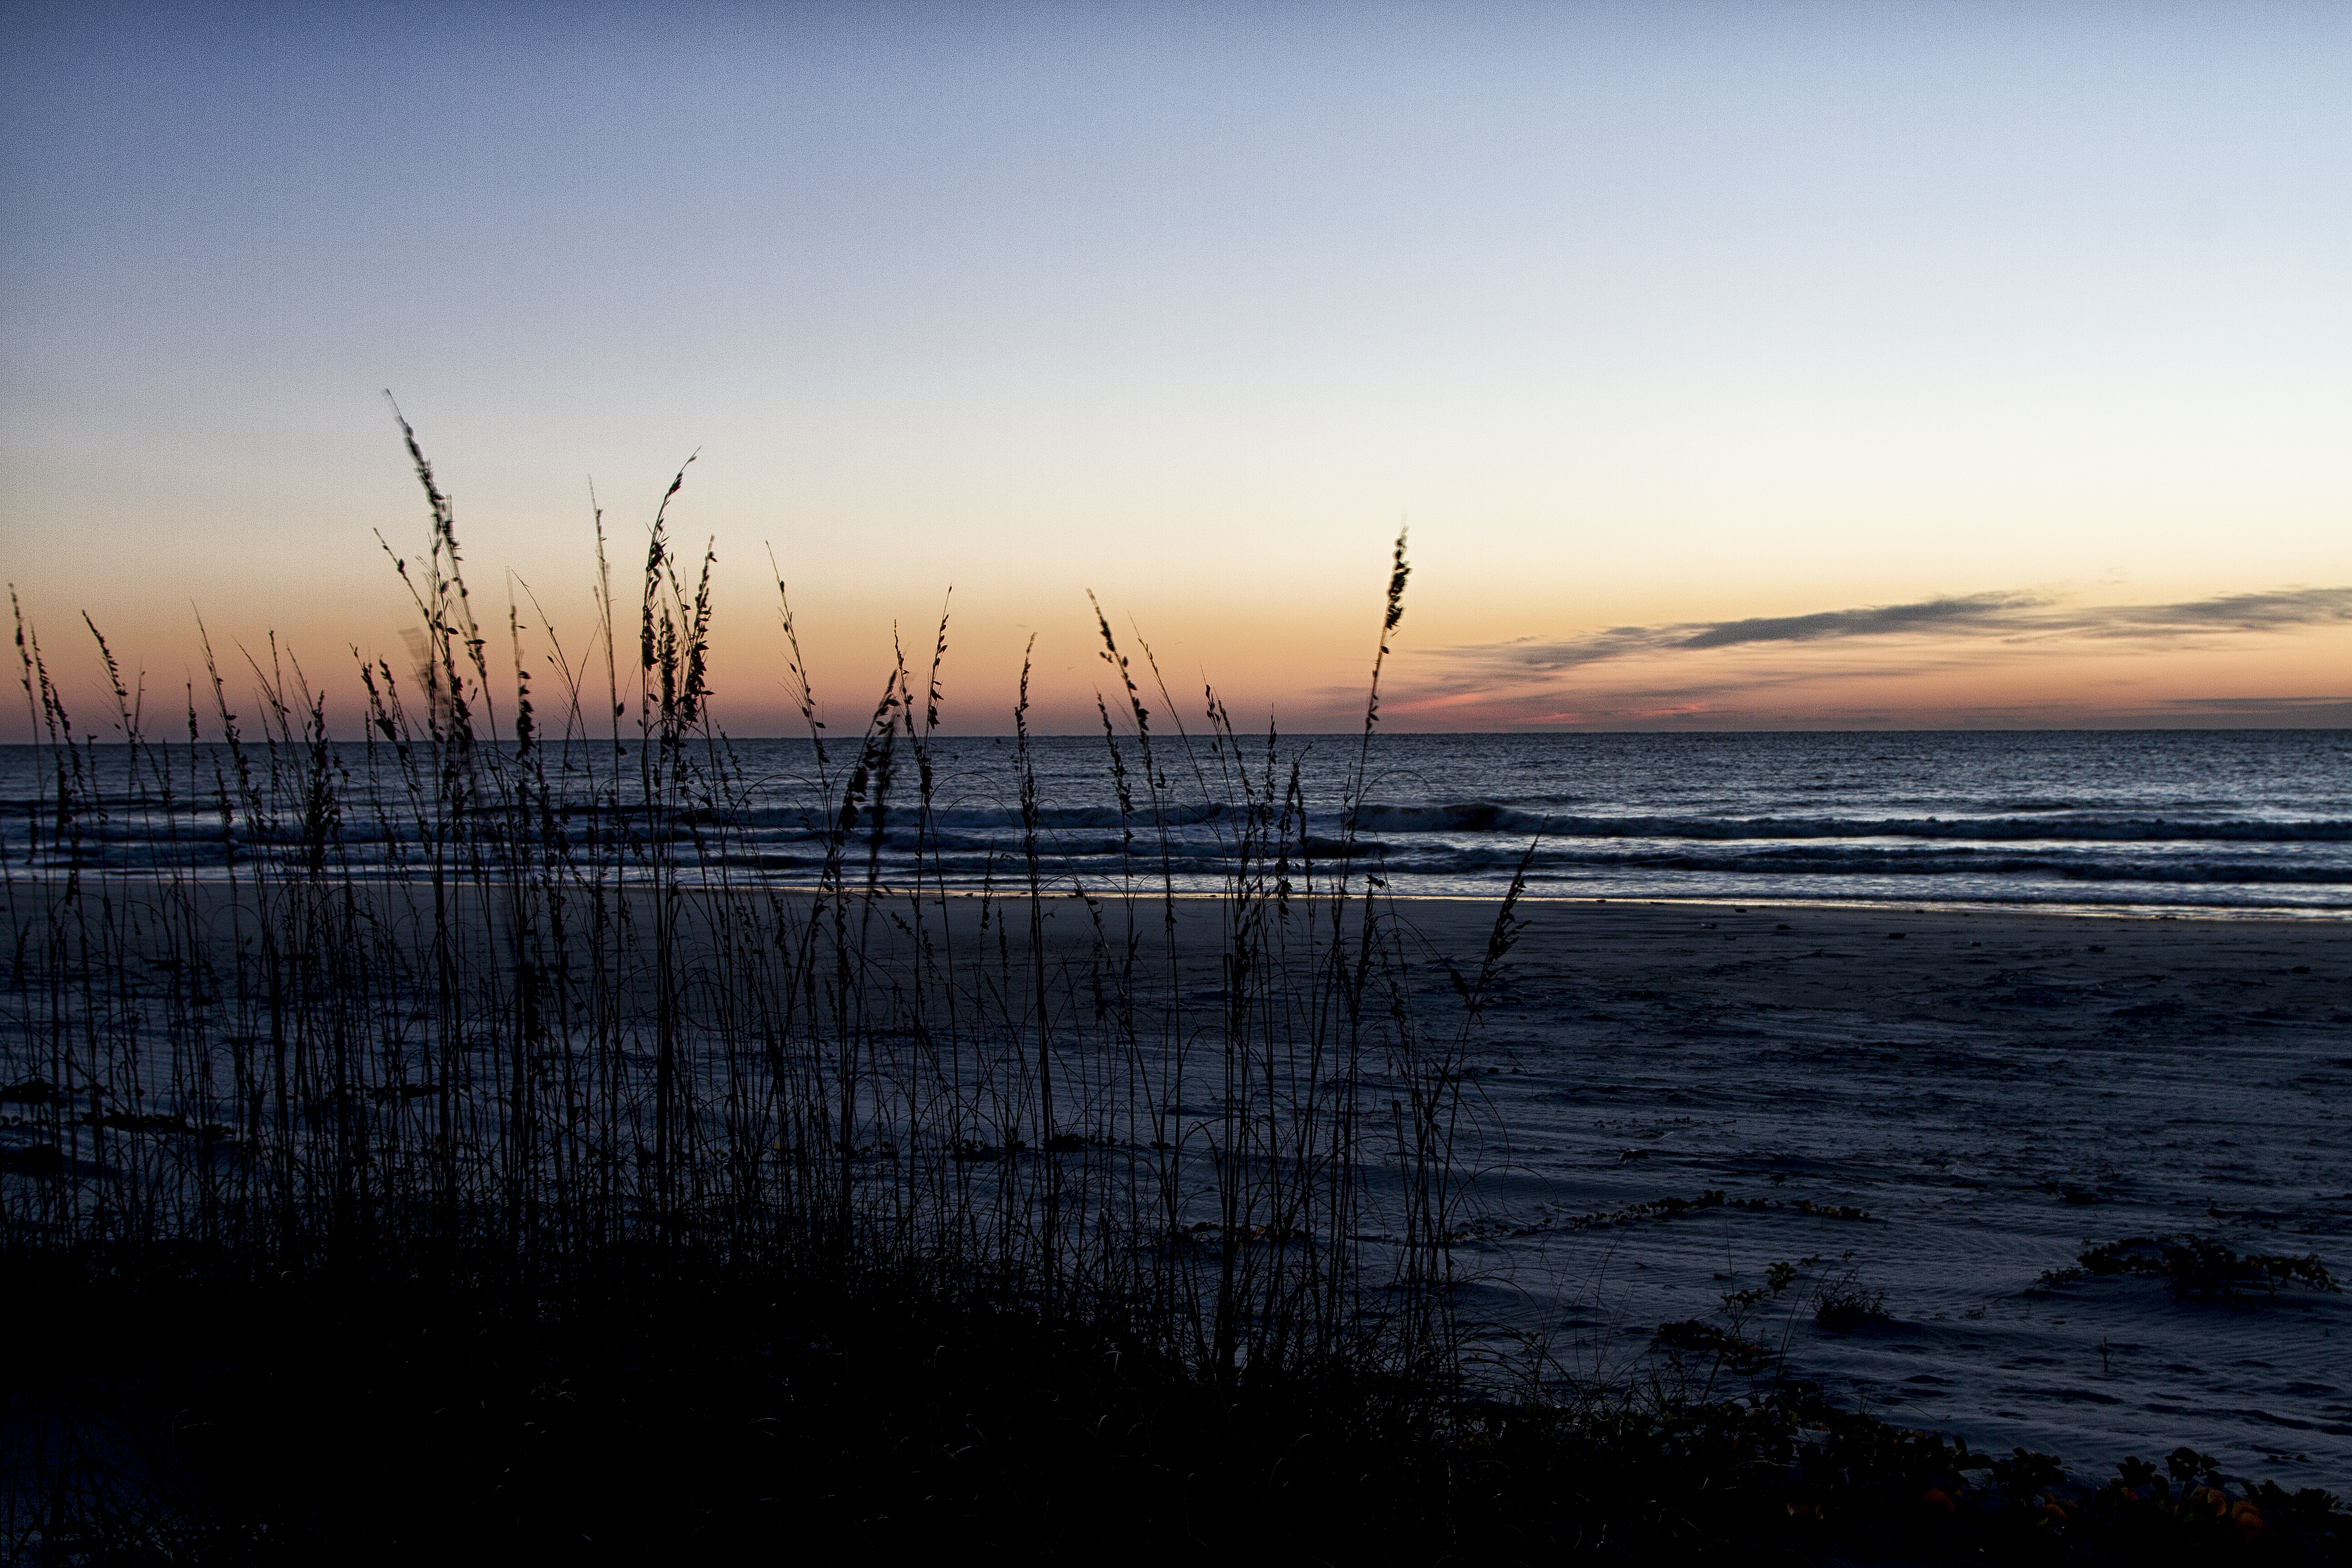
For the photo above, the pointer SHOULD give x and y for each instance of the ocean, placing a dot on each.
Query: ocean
(2246, 821)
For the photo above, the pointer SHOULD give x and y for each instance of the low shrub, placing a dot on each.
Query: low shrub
(2197, 1269)
(1844, 1304)
(1698, 1338)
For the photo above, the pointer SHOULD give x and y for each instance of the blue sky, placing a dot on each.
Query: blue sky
(1654, 316)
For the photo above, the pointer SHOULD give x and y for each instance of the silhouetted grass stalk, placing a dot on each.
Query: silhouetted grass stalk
(490, 992)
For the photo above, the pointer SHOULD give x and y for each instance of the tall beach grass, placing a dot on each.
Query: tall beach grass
(486, 994)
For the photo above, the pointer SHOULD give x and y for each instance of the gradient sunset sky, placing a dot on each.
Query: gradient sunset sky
(1741, 367)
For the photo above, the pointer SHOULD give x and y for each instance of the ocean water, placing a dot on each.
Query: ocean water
(2249, 821)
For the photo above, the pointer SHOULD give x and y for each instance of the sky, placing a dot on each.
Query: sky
(1753, 366)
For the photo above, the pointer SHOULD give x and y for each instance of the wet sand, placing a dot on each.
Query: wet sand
(1995, 1089)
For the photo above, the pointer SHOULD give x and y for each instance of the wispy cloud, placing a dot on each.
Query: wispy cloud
(2008, 615)
(2278, 705)
(1973, 613)
(2280, 611)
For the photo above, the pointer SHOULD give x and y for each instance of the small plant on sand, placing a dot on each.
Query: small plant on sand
(1777, 1281)
(2197, 1269)
(1699, 1339)
(1694, 1345)
(1844, 1304)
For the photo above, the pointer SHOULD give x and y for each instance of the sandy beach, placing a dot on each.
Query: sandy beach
(1940, 1106)
(1995, 1089)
